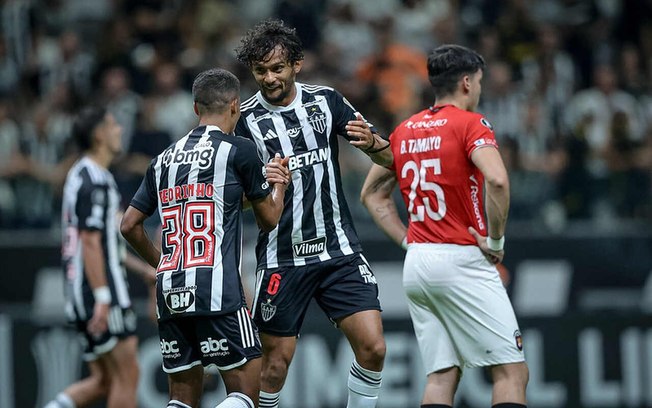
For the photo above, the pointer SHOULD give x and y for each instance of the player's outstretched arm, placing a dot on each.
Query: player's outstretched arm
(133, 230)
(370, 143)
(376, 195)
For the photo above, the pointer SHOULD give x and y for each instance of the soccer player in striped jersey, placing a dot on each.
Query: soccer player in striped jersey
(314, 252)
(447, 156)
(197, 185)
(97, 292)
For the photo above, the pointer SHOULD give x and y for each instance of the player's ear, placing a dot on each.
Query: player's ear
(296, 67)
(195, 108)
(466, 84)
(234, 107)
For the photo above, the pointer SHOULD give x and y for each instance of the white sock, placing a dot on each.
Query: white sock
(364, 386)
(177, 404)
(236, 400)
(268, 399)
(62, 400)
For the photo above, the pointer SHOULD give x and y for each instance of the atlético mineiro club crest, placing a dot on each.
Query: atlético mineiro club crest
(317, 119)
(267, 310)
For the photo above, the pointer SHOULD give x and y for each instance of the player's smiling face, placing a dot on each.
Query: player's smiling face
(275, 77)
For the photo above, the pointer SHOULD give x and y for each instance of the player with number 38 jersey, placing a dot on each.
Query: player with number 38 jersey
(201, 235)
(432, 151)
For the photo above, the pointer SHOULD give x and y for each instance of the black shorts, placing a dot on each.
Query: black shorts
(121, 324)
(224, 341)
(341, 286)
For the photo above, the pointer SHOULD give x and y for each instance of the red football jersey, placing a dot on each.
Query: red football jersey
(442, 188)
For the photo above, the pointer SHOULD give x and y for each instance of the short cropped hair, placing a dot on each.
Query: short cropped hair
(85, 123)
(259, 41)
(448, 63)
(214, 89)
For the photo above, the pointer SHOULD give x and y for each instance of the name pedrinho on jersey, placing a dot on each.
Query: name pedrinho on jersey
(440, 185)
(91, 203)
(316, 223)
(197, 186)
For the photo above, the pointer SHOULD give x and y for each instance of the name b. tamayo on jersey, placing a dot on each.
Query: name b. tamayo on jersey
(441, 186)
(316, 224)
(91, 202)
(197, 185)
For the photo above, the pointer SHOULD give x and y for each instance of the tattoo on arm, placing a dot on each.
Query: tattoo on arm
(385, 211)
(384, 183)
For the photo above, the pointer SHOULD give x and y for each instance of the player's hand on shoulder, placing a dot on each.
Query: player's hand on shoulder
(277, 170)
(492, 256)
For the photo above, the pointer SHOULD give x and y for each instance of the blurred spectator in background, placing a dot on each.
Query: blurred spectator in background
(549, 75)
(591, 111)
(147, 142)
(173, 105)
(69, 64)
(415, 22)
(627, 176)
(396, 74)
(12, 163)
(120, 100)
(9, 73)
(46, 140)
(503, 101)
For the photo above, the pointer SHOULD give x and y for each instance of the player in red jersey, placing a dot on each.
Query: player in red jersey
(445, 159)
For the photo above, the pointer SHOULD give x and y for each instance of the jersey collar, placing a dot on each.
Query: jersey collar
(437, 108)
(274, 108)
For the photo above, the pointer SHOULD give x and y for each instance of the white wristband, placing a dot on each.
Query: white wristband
(102, 295)
(404, 243)
(496, 244)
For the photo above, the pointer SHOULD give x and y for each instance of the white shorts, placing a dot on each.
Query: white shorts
(460, 310)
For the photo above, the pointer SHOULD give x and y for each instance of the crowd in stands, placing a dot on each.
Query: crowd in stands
(567, 89)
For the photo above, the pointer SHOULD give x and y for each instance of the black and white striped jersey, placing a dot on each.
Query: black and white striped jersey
(197, 185)
(91, 202)
(316, 224)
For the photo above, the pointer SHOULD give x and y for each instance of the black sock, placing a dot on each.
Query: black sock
(509, 405)
(435, 406)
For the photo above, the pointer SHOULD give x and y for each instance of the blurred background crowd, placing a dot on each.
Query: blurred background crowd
(568, 88)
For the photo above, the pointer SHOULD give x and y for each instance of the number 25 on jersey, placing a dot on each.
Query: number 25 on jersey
(418, 173)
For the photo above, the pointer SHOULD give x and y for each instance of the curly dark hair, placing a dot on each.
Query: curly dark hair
(259, 41)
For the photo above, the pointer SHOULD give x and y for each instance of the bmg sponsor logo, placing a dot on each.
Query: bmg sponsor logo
(212, 348)
(202, 156)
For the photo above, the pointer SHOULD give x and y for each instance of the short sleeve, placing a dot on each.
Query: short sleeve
(145, 200)
(479, 133)
(91, 206)
(251, 171)
(343, 112)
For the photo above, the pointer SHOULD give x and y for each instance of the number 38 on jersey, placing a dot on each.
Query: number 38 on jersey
(188, 235)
